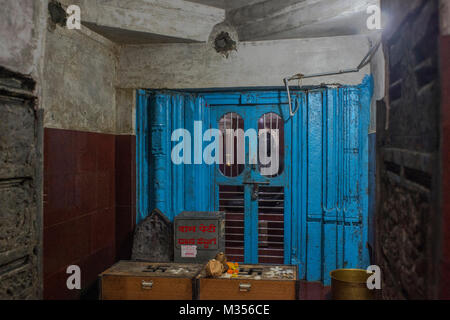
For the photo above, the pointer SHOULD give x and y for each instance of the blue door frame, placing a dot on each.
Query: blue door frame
(328, 179)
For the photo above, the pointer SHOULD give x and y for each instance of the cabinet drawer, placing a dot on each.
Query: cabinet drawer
(145, 288)
(133, 280)
(218, 289)
(251, 282)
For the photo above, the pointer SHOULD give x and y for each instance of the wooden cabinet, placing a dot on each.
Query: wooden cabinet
(129, 280)
(254, 282)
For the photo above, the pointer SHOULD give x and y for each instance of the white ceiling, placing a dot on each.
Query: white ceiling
(290, 19)
(159, 21)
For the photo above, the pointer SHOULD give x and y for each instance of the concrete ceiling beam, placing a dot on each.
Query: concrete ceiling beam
(174, 19)
(281, 19)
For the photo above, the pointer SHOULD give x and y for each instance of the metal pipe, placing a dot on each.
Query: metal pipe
(323, 74)
(367, 58)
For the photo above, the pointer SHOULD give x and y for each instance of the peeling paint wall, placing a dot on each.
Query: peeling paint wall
(263, 63)
(20, 191)
(16, 30)
(75, 85)
(21, 34)
(79, 75)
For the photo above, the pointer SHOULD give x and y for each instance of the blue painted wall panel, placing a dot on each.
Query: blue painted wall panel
(177, 122)
(315, 153)
(162, 184)
(330, 243)
(314, 251)
(142, 155)
(352, 237)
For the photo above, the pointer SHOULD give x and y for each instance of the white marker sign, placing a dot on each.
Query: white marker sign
(188, 251)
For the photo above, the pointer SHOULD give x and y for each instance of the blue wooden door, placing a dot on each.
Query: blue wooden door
(312, 213)
(256, 198)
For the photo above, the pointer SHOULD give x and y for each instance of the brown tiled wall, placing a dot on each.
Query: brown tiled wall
(81, 172)
(125, 195)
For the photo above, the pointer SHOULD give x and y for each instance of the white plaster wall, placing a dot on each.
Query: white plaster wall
(79, 73)
(125, 111)
(263, 63)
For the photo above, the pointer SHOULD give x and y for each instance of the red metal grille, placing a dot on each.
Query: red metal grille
(231, 200)
(271, 225)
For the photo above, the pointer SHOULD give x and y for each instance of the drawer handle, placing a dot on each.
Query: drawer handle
(245, 287)
(147, 285)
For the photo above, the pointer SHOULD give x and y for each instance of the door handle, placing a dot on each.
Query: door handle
(245, 287)
(255, 192)
(147, 285)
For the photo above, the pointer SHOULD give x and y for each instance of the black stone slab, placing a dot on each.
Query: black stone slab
(153, 239)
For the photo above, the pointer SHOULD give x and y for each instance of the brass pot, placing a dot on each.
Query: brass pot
(350, 284)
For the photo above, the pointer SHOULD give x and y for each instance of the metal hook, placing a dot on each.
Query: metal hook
(291, 113)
